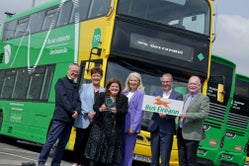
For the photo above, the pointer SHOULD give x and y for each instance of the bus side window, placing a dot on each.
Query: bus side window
(22, 82)
(21, 27)
(99, 8)
(40, 83)
(36, 21)
(35, 84)
(8, 84)
(64, 15)
(2, 73)
(47, 82)
(82, 8)
(9, 30)
(50, 18)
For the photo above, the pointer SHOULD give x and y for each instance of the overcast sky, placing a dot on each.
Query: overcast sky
(232, 28)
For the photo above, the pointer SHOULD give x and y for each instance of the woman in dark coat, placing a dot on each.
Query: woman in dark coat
(105, 142)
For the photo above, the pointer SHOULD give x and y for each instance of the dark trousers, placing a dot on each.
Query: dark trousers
(59, 130)
(161, 145)
(81, 139)
(187, 150)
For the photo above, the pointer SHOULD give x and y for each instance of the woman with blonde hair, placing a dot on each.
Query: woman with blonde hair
(134, 91)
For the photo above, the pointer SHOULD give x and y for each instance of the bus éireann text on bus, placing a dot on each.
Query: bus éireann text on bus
(151, 37)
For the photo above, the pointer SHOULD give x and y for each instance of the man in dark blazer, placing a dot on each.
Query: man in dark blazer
(162, 127)
(190, 130)
(67, 108)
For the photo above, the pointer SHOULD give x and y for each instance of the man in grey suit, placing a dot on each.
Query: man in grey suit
(190, 130)
(162, 127)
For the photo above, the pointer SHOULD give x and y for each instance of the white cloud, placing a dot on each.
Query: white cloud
(232, 41)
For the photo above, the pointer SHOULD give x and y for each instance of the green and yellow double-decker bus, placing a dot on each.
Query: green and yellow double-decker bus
(236, 140)
(220, 91)
(147, 36)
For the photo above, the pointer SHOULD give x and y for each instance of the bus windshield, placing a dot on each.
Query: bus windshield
(191, 15)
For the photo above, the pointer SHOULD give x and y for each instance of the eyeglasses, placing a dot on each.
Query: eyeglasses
(166, 82)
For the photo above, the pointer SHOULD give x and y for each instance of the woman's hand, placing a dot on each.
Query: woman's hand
(130, 131)
(102, 108)
(114, 110)
(91, 115)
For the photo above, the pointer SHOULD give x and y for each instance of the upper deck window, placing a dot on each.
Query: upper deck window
(21, 27)
(64, 15)
(50, 19)
(9, 30)
(98, 8)
(36, 20)
(191, 15)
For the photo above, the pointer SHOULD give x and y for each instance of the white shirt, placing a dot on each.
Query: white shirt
(129, 95)
(166, 95)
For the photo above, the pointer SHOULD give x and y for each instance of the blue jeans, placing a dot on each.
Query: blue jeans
(59, 130)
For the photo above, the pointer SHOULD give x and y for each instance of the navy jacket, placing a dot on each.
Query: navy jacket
(67, 100)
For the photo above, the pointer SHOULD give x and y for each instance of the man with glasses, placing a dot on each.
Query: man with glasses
(162, 127)
(190, 130)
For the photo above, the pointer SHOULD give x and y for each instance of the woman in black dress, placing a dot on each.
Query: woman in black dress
(105, 142)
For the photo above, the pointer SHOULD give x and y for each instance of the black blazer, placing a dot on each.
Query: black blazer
(121, 105)
(67, 100)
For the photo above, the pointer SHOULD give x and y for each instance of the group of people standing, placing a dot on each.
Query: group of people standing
(107, 121)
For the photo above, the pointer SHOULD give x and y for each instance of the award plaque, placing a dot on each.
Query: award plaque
(109, 103)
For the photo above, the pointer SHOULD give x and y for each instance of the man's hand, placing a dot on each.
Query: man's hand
(162, 115)
(75, 115)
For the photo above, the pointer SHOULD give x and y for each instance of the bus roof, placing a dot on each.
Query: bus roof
(223, 60)
(33, 10)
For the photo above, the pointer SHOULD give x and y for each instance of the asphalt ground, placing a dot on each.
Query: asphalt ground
(21, 153)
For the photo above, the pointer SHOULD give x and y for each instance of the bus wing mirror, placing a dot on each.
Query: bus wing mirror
(220, 93)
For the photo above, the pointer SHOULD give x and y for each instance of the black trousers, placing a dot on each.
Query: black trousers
(81, 140)
(187, 150)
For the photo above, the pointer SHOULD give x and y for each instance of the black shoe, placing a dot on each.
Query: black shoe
(30, 163)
